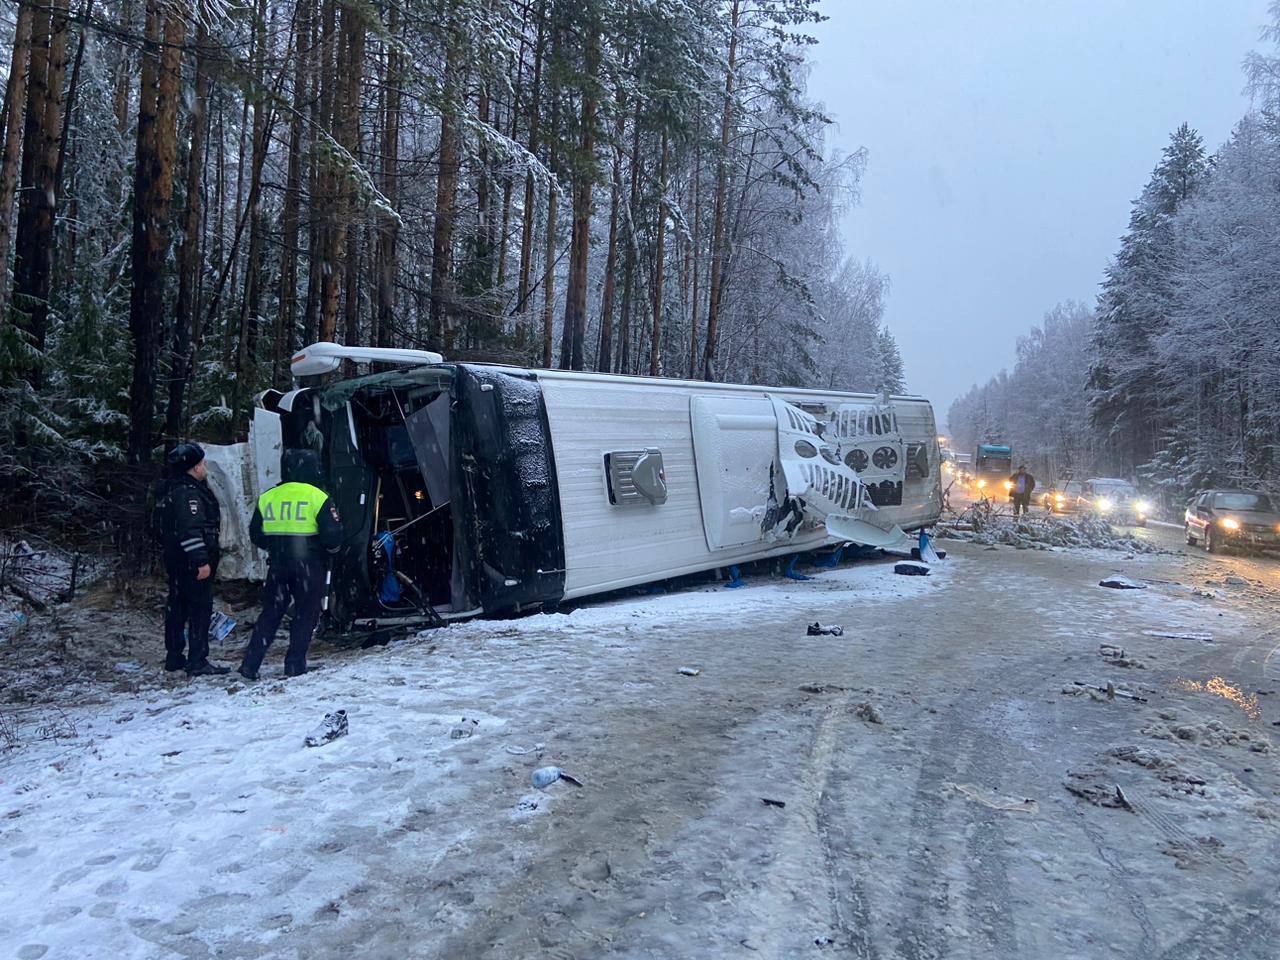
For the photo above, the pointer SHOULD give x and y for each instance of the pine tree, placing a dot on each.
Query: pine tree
(892, 379)
(1127, 386)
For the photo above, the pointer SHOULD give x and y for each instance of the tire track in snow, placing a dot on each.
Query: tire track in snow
(805, 842)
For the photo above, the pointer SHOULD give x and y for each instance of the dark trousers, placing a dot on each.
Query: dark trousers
(1021, 503)
(187, 611)
(303, 583)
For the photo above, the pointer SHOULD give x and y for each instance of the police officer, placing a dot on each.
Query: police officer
(297, 523)
(190, 519)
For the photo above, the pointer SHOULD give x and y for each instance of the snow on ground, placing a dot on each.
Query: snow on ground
(186, 819)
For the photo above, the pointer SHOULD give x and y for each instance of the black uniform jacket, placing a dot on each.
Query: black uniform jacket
(193, 519)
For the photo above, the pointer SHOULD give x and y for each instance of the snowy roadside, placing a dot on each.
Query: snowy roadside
(189, 821)
(196, 812)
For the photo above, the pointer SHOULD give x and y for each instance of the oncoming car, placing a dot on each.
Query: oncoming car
(1066, 500)
(1238, 518)
(1116, 500)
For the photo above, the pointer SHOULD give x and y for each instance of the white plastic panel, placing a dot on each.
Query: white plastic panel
(735, 440)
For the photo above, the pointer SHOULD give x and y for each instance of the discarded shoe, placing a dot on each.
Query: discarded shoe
(247, 673)
(818, 630)
(333, 726)
(464, 729)
(208, 669)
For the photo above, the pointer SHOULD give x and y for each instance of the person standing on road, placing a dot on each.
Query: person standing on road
(1023, 484)
(298, 525)
(189, 519)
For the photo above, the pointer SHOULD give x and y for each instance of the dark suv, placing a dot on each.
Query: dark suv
(1245, 518)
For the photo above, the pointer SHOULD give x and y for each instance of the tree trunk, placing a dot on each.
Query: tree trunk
(284, 340)
(575, 302)
(629, 267)
(388, 228)
(604, 358)
(655, 341)
(254, 270)
(66, 149)
(123, 75)
(549, 279)
(185, 314)
(34, 249)
(15, 99)
(330, 246)
(153, 189)
(442, 322)
(696, 248)
(351, 140)
(722, 191)
(318, 118)
(526, 231)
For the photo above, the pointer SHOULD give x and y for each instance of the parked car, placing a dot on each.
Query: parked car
(1237, 518)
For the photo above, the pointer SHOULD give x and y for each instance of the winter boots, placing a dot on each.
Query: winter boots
(207, 669)
(333, 726)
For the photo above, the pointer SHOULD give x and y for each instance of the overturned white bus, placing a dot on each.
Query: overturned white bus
(469, 489)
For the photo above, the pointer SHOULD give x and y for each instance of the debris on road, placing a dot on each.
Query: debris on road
(1110, 690)
(1117, 656)
(995, 801)
(1213, 733)
(464, 729)
(1045, 532)
(1121, 583)
(333, 726)
(869, 712)
(818, 630)
(911, 568)
(1165, 768)
(689, 671)
(544, 777)
(1169, 635)
(822, 688)
(1093, 786)
(773, 803)
(525, 751)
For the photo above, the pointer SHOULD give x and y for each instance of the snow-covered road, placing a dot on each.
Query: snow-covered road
(188, 820)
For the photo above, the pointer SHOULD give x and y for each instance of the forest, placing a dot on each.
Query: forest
(1173, 376)
(194, 191)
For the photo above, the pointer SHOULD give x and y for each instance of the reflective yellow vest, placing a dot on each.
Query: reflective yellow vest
(290, 510)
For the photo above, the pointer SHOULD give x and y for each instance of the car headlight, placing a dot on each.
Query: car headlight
(1008, 485)
(1229, 523)
(1060, 499)
(1142, 506)
(1105, 505)
(981, 484)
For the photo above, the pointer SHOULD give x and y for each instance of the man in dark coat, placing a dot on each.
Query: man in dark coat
(1023, 483)
(189, 518)
(297, 524)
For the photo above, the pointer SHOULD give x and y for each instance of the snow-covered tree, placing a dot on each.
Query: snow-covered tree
(1127, 389)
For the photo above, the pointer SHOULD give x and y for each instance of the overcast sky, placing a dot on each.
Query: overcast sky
(1006, 141)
